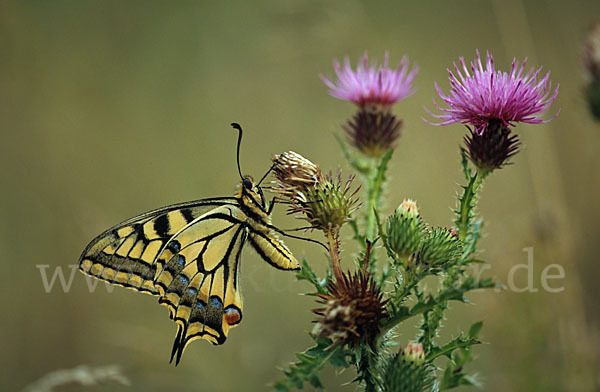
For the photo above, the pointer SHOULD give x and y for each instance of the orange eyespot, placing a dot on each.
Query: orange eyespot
(232, 315)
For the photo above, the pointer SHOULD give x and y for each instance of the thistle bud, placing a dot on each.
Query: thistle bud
(492, 148)
(440, 246)
(407, 371)
(331, 203)
(405, 229)
(413, 353)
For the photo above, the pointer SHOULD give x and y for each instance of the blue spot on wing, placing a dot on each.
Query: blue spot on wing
(216, 302)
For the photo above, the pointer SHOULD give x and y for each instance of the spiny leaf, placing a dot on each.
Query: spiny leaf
(448, 348)
(399, 314)
(306, 273)
(475, 329)
(310, 362)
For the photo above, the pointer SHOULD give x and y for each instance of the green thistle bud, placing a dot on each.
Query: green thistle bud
(440, 246)
(325, 201)
(413, 353)
(407, 371)
(405, 229)
(331, 202)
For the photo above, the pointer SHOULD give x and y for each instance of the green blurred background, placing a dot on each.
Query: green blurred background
(112, 108)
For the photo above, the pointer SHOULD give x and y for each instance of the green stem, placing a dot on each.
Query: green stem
(367, 367)
(375, 178)
(468, 202)
(371, 203)
(334, 252)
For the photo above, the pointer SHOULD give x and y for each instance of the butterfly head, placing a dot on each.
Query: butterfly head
(250, 193)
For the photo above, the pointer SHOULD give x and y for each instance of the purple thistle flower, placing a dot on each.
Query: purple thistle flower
(374, 85)
(485, 95)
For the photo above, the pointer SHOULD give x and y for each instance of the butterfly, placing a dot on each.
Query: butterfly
(188, 255)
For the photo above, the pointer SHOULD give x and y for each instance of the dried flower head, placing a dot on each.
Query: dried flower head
(373, 132)
(590, 55)
(352, 311)
(294, 174)
(481, 96)
(372, 85)
(325, 201)
(493, 148)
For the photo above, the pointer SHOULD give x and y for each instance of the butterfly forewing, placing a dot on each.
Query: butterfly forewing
(125, 254)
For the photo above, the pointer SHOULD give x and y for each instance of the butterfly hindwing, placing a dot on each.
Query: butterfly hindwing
(125, 254)
(197, 278)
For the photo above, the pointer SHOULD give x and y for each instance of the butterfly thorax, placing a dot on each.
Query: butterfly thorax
(252, 203)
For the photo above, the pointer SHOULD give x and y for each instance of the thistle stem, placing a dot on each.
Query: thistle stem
(468, 202)
(372, 192)
(334, 251)
(375, 178)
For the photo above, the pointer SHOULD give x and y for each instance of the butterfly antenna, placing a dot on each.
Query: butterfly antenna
(266, 174)
(239, 143)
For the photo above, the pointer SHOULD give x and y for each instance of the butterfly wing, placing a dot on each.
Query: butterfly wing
(125, 254)
(197, 277)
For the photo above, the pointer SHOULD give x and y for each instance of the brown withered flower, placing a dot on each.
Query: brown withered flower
(295, 175)
(352, 311)
(353, 308)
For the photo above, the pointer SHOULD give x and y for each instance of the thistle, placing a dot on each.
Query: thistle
(590, 57)
(492, 102)
(353, 308)
(374, 89)
(324, 201)
(372, 85)
(359, 311)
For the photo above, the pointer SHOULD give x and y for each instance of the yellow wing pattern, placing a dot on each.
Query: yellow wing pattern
(197, 277)
(125, 254)
(188, 255)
